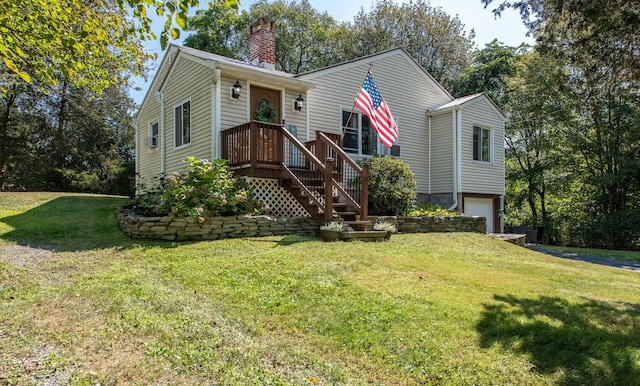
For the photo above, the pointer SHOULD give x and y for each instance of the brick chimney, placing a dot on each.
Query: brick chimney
(262, 43)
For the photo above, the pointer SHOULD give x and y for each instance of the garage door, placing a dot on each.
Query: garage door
(480, 207)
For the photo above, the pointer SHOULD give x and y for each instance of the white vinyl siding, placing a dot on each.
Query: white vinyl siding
(148, 157)
(482, 177)
(441, 154)
(338, 87)
(188, 81)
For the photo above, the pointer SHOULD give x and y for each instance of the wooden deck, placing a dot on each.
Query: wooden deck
(319, 174)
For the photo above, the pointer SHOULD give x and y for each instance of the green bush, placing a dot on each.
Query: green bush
(391, 187)
(429, 209)
(205, 189)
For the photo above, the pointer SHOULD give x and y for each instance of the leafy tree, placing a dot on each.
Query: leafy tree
(42, 39)
(437, 41)
(220, 30)
(585, 32)
(598, 42)
(539, 110)
(488, 72)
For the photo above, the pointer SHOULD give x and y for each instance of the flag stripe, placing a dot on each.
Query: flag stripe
(374, 106)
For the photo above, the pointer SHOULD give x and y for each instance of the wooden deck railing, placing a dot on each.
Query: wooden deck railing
(253, 143)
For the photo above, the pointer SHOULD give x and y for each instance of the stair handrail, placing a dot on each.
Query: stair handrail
(303, 187)
(340, 152)
(304, 150)
(362, 172)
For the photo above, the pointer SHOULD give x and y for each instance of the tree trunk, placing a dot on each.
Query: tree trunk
(4, 138)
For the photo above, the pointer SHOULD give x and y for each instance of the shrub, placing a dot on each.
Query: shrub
(429, 209)
(391, 187)
(205, 189)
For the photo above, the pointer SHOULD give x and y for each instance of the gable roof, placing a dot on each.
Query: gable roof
(399, 51)
(229, 66)
(466, 100)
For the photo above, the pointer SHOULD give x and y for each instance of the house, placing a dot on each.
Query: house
(285, 132)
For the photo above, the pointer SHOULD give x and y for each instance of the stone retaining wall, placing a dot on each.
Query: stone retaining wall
(435, 224)
(182, 228)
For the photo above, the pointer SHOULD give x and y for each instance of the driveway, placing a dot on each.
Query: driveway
(628, 265)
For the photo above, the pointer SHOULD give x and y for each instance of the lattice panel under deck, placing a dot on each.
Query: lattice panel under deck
(280, 201)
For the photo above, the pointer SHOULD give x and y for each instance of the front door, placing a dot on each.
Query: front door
(265, 105)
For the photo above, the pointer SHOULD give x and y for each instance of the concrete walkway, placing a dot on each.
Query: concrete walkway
(628, 265)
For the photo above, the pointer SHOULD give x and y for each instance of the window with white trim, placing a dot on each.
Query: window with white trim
(182, 124)
(481, 144)
(360, 138)
(152, 141)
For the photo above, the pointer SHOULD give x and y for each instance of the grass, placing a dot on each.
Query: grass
(608, 253)
(87, 306)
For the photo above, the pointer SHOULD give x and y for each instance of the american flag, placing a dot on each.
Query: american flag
(371, 103)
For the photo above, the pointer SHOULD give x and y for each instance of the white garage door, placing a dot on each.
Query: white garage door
(480, 207)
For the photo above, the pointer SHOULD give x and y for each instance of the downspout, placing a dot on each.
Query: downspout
(160, 99)
(459, 152)
(216, 150)
(137, 154)
(454, 145)
(307, 109)
(429, 167)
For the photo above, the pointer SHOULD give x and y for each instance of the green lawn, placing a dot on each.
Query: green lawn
(608, 253)
(84, 305)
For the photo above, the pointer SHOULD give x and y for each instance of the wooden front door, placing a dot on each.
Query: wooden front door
(265, 105)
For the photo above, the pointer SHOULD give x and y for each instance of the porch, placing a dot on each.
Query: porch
(328, 183)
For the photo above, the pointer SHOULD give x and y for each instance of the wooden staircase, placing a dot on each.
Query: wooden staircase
(308, 191)
(319, 174)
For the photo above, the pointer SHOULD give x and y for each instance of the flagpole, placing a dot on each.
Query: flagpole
(344, 129)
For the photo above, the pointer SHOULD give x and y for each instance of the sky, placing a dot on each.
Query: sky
(508, 28)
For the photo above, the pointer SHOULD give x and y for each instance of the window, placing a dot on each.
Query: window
(182, 124)
(152, 141)
(481, 144)
(359, 136)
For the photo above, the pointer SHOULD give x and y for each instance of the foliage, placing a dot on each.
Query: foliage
(391, 186)
(266, 112)
(66, 139)
(306, 39)
(430, 209)
(283, 310)
(83, 40)
(385, 226)
(220, 30)
(333, 226)
(437, 41)
(205, 189)
(488, 72)
(596, 34)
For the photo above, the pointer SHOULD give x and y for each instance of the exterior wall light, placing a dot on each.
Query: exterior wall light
(235, 90)
(298, 103)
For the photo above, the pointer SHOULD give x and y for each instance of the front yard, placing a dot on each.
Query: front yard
(82, 304)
